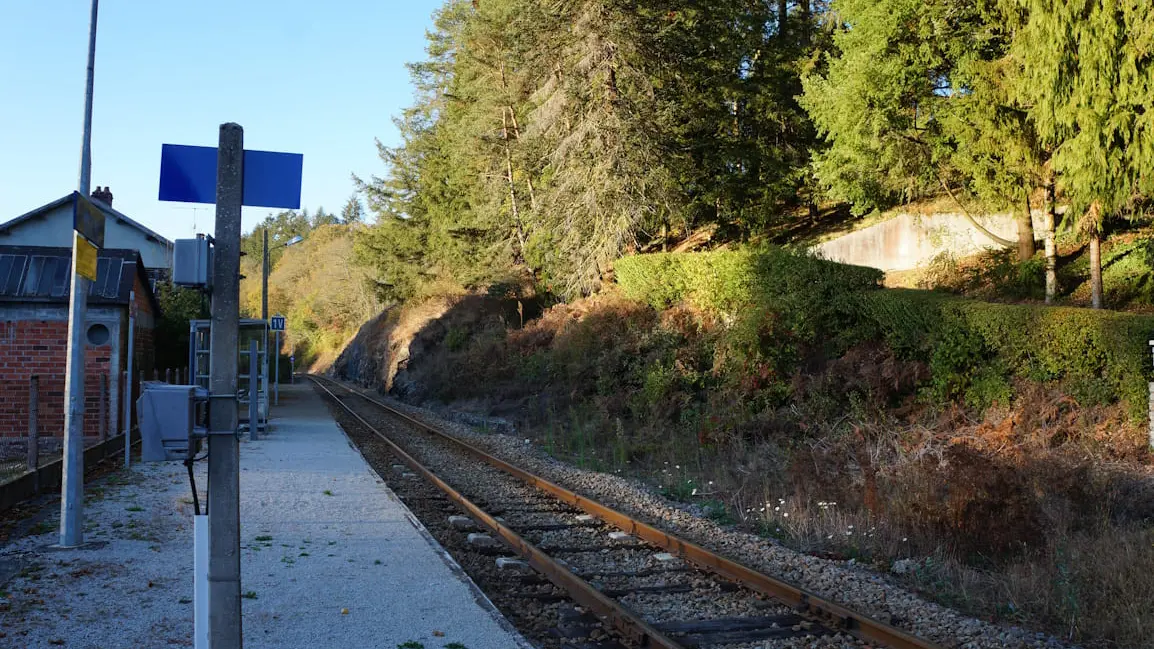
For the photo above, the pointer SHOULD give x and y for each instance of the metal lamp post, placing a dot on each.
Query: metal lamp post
(265, 263)
(72, 482)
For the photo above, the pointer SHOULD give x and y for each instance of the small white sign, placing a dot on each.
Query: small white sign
(276, 323)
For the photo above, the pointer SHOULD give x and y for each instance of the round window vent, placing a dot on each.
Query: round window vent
(98, 335)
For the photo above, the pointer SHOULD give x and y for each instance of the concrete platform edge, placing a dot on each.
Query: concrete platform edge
(478, 595)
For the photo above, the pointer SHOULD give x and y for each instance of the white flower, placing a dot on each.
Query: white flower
(777, 509)
(786, 514)
(694, 493)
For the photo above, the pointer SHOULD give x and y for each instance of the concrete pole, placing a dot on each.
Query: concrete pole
(276, 367)
(253, 390)
(264, 264)
(224, 621)
(264, 279)
(34, 424)
(128, 380)
(72, 482)
(86, 145)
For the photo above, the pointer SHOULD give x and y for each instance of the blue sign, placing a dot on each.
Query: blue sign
(276, 323)
(271, 179)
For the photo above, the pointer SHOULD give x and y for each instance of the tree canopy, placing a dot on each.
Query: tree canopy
(546, 139)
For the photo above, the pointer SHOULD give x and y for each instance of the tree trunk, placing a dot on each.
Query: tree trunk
(781, 14)
(1051, 246)
(1096, 269)
(520, 230)
(1025, 235)
(528, 176)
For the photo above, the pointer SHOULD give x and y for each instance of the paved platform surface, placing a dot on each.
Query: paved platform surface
(320, 532)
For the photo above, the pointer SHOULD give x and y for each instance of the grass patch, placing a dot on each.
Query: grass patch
(249, 594)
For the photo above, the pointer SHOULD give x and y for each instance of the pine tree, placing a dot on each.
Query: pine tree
(1090, 77)
(918, 99)
(353, 211)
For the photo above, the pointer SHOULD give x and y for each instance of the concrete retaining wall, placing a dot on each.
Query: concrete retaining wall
(912, 240)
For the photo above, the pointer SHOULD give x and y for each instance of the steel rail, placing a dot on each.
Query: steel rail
(609, 611)
(829, 613)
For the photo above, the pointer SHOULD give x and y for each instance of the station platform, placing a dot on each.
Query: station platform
(329, 557)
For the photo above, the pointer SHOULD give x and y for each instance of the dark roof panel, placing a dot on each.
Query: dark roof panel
(42, 274)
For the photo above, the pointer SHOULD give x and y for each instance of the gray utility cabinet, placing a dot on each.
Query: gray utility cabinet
(172, 419)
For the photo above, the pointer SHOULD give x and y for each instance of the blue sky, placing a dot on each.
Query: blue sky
(322, 79)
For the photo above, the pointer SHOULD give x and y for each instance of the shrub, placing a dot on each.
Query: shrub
(960, 337)
(813, 298)
(727, 281)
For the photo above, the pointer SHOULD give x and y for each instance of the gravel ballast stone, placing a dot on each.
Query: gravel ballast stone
(853, 586)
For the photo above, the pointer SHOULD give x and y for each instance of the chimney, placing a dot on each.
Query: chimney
(103, 194)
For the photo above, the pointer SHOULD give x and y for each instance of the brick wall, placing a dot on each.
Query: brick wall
(39, 347)
(30, 347)
(144, 342)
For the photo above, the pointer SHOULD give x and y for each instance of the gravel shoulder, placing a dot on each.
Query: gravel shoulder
(854, 586)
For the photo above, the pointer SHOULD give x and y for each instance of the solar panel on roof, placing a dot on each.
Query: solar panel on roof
(32, 277)
(15, 275)
(111, 284)
(60, 279)
(97, 287)
(47, 277)
(5, 269)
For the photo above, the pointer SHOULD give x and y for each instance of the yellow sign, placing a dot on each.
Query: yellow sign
(85, 258)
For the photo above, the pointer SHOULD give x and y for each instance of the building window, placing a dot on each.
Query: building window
(97, 335)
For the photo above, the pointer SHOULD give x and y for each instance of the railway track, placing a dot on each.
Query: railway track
(652, 588)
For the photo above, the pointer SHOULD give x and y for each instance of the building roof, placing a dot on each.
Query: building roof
(42, 274)
(104, 207)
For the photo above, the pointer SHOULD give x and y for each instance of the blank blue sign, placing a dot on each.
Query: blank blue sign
(271, 179)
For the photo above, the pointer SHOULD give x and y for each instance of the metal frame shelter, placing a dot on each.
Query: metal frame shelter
(199, 335)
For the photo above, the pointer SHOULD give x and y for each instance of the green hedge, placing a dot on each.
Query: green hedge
(726, 281)
(973, 348)
(1103, 355)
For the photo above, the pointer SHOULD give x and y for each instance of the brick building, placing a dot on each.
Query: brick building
(34, 292)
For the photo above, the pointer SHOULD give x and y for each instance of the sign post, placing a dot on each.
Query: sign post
(231, 177)
(89, 234)
(276, 324)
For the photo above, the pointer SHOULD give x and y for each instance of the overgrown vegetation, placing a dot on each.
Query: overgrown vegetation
(992, 447)
(324, 297)
(991, 444)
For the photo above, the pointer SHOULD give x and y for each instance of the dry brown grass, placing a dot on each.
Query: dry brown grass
(1032, 513)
